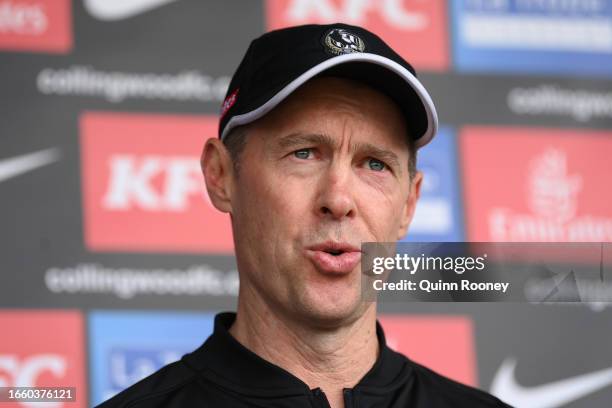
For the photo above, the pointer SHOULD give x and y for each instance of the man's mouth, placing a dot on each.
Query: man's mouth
(334, 257)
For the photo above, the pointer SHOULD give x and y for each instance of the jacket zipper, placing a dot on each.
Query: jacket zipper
(348, 398)
(322, 401)
(320, 398)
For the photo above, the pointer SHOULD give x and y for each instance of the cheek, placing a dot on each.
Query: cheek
(381, 205)
(270, 209)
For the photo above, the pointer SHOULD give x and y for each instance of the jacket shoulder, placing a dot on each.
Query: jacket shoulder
(155, 390)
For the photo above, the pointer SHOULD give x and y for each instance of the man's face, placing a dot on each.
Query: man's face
(322, 173)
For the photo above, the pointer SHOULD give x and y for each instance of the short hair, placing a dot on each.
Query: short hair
(412, 157)
(235, 141)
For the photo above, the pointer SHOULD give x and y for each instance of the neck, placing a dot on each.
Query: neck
(327, 358)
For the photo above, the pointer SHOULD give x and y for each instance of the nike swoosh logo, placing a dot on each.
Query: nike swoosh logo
(551, 395)
(18, 165)
(113, 10)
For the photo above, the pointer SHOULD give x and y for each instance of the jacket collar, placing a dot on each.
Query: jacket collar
(224, 360)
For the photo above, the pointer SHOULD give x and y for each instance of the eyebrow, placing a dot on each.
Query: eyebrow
(298, 139)
(301, 139)
(381, 154)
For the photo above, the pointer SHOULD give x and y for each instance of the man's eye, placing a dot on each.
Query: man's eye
(302, 153)
(376, 165)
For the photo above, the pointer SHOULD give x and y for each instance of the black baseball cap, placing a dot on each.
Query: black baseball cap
(280, 61)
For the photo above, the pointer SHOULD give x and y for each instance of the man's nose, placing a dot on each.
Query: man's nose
(336, 193)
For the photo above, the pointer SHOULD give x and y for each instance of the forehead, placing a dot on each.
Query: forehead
(339, 108)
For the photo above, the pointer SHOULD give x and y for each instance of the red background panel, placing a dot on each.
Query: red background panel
(524, 172)
(43, 349)
(198, 227)
(36, 25)
(443, 343)
(416, 29)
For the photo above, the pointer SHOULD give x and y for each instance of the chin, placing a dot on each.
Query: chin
(330, 307)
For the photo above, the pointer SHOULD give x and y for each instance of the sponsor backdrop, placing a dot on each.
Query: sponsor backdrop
(114, 262)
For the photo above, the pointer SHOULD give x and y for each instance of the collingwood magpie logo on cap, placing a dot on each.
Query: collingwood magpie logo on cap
(339, 41)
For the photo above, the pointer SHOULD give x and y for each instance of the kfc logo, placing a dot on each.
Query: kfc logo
(442, 343)
(36, 25)
(552, 189)
(131, 183)
(142, 184)
(414, 28)
(56, 361)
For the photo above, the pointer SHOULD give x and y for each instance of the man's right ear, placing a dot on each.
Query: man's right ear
(218, 172)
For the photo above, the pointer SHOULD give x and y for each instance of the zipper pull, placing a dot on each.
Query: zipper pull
(320, 397)
(348, 397)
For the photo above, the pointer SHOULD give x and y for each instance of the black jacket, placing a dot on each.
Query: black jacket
(223, 373)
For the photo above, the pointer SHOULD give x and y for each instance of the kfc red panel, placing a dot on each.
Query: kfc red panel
(143, 189)
(416, 29)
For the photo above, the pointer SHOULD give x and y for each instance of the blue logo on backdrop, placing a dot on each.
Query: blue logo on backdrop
(438, 213)
(533, 36)
(126, 347)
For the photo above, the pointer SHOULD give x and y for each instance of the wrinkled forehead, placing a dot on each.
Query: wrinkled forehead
(340, 109)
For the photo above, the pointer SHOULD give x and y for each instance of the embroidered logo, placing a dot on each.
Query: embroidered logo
(229, 102)
(339, 41)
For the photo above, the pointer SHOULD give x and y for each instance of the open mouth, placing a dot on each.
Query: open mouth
(334, 257)
(334, 252)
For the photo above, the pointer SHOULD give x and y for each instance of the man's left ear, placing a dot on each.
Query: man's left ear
(413, 197)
